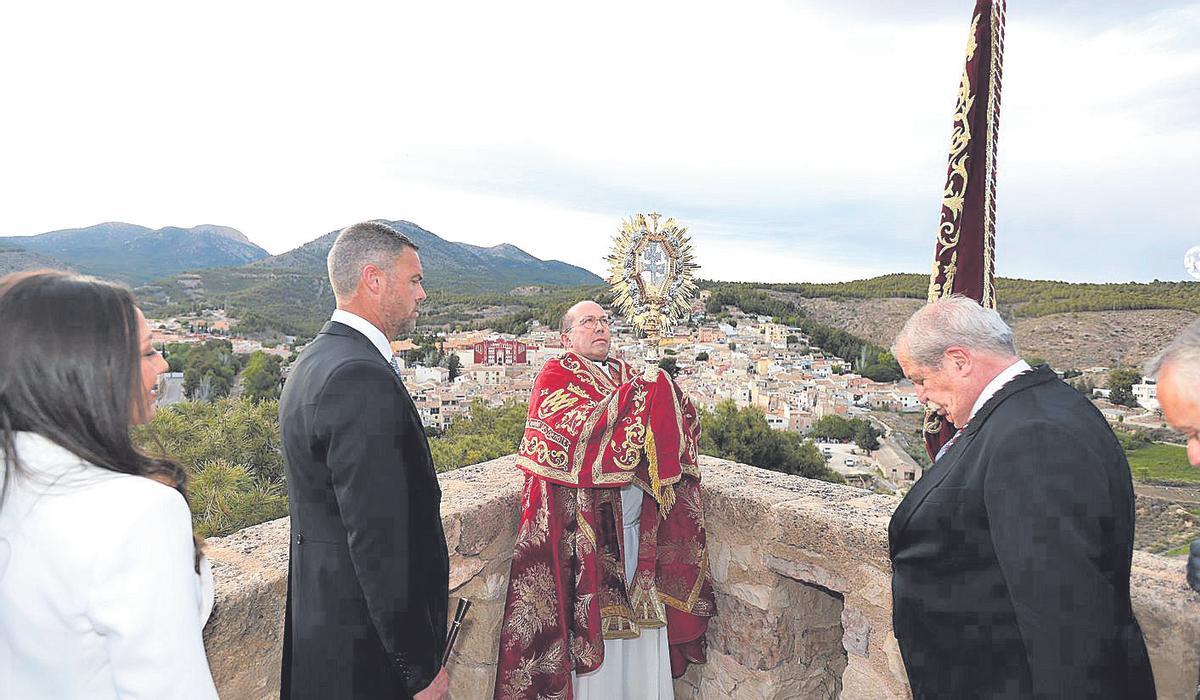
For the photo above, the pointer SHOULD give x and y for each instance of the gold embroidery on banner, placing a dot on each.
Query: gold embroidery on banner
(950, 229)
(953, 198)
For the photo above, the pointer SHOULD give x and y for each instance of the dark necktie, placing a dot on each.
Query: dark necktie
(946, 447)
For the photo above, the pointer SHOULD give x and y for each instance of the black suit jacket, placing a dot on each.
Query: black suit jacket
(1011, 556)
(367, 583)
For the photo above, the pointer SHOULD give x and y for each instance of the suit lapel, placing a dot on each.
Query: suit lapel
(944, 466)
(335, 328)
(927, 483)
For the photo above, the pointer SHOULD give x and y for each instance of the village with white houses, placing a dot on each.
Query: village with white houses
(747, 359)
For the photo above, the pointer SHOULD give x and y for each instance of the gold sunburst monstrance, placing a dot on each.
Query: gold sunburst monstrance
(650, 270)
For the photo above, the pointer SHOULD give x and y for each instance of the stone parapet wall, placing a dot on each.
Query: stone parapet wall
(800, 571)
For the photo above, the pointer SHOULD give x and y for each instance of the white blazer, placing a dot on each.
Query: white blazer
(99, 597)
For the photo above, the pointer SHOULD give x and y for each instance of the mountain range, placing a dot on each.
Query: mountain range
(175, 269)
(139, 256)
(461, 266)
(131, 253)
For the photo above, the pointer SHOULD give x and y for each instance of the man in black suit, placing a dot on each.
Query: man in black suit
(1011, 555)
(367, 584)
(1177, 370)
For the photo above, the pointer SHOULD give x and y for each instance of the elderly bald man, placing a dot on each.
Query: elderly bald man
(608, 594)
(1011, 555)
(1177, 369)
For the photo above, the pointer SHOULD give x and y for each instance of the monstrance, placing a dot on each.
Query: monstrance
(650, 270)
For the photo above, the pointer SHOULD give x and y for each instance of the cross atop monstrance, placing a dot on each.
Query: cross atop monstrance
(650, 270)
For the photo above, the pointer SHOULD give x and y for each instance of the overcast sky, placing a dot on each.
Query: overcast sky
(797, 141)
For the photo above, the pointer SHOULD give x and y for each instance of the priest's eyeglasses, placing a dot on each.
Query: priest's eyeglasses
(591, 322)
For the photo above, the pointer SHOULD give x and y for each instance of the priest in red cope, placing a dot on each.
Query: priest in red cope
(609, 594)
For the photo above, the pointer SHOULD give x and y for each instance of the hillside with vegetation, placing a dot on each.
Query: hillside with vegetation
(1066, 324)
(1018, 297)
(13, 258)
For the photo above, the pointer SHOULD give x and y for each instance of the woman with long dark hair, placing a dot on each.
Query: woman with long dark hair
(103, 591)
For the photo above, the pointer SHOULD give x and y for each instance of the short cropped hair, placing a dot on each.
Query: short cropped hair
(949, 321)
(1183, 351)
(359, 245)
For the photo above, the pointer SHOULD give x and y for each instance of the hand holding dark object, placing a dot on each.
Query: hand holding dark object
(1193, 566)
(459, 615)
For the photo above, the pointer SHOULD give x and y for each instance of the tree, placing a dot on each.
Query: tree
(702, 356)
(230, 451)
(1083, 385)
(209, 369)
(260, 379)
(669, 365)
(866, 436)
(454, 365)
(743, 435)
(1120, 385)
(484, 433)
(833, 429)
(883, 369)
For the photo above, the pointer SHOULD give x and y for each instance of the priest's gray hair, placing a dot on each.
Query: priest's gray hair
(950, 321)
(359, 245)
(1183, 352)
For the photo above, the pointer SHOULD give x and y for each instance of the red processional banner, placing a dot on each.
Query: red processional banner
(965, 255)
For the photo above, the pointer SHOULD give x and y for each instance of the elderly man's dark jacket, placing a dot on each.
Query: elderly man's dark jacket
(1011, 556)
(367, 584)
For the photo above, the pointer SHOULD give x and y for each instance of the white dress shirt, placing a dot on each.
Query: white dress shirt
(997, 383)
(99, 596)
(362, 325)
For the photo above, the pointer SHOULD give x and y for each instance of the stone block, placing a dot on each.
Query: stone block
(856, 629)
(807, 572)
(463, 569)
(756, 638)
